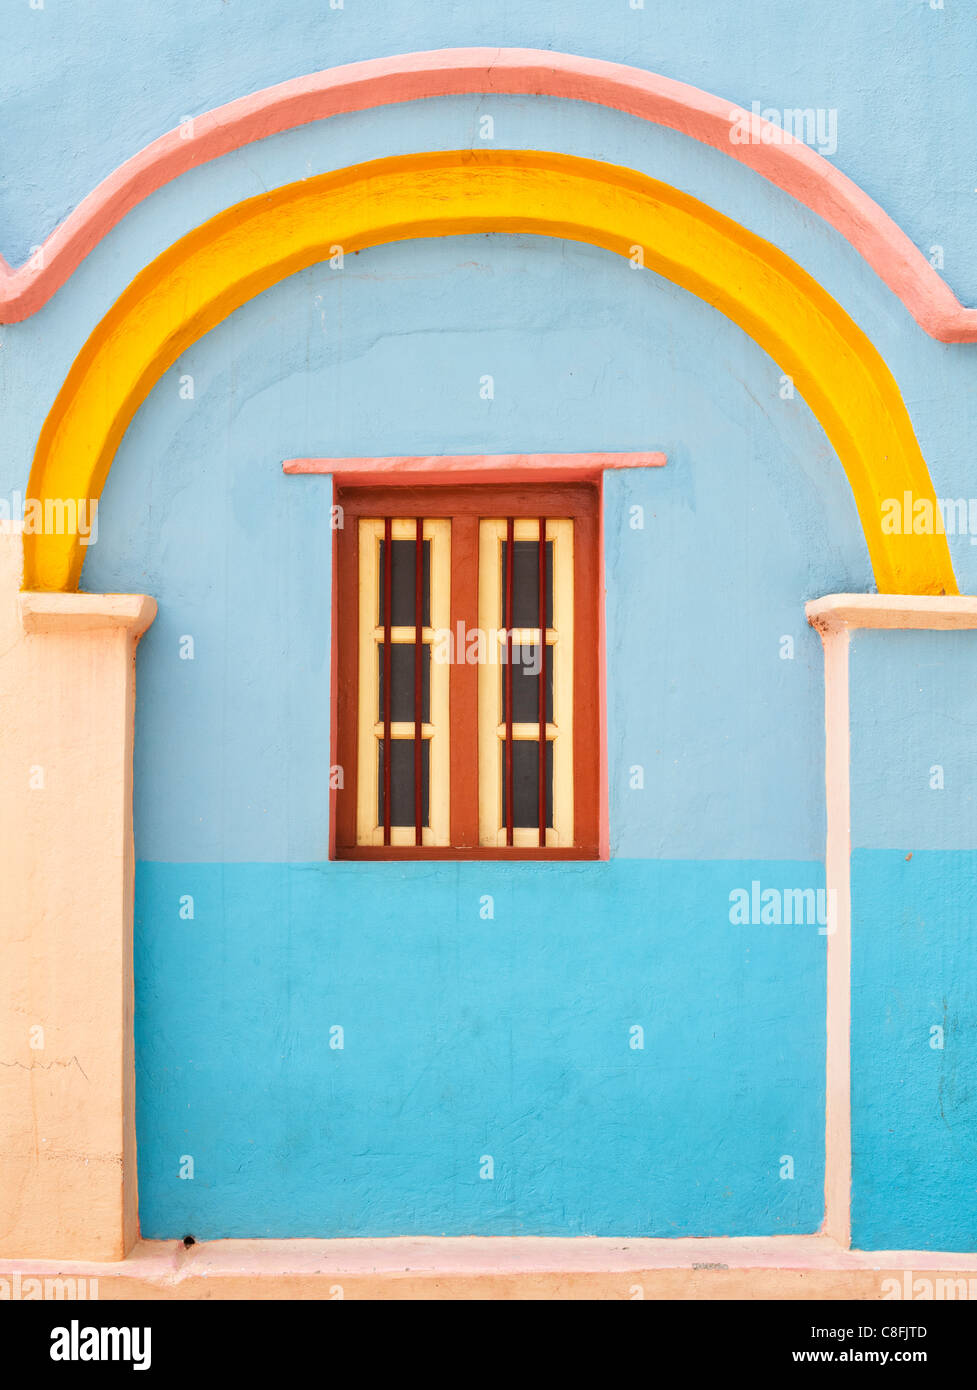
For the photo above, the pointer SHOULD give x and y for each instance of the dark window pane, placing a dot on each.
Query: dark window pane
(526, 675)
(402, 583)
(402, 682)
(525, 777)
(402, 781)
(525, 583)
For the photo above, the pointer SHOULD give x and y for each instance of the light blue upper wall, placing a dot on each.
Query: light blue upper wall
(751, 516)
(914, 752)
(88, 82)
(92, 84)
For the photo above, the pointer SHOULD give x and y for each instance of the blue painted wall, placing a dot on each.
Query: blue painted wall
(914, 940)
(232, 747)
(511, 1036)
(465, 1038)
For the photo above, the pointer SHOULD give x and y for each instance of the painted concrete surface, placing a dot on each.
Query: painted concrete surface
(930, 374)
(723, 775)
(732, 765)
(914, 754)
(521, 1022)
(646, 1070)
(525, 1268)
(132, 76)
(255, 245)
(914, 1152)
(67, 1130)
(914, 891)
(732, 760)
(803, 170)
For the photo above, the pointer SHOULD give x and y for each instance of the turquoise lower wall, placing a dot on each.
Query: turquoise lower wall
(465, 1037)
(914, 1103)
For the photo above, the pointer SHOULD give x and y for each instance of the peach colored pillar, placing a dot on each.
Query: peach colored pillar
(67, 1124)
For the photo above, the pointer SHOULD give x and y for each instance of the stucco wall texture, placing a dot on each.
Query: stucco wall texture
(512, 1036)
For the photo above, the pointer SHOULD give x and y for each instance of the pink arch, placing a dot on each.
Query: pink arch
(785, 161)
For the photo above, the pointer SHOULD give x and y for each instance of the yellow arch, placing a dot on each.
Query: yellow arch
(203, 277)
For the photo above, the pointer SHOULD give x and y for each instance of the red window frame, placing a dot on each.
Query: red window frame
(465, 506)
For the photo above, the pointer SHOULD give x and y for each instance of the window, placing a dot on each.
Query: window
(467, 654)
